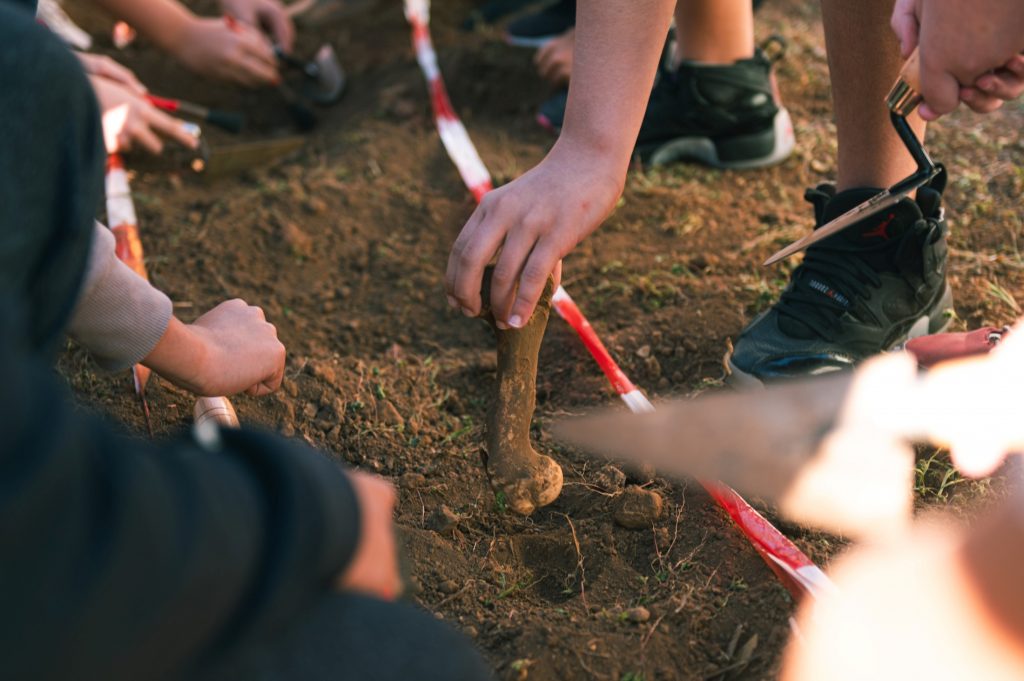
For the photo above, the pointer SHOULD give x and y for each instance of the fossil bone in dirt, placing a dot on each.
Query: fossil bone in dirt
(527, 480)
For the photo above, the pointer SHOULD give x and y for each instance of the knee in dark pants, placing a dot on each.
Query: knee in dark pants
(346, 636)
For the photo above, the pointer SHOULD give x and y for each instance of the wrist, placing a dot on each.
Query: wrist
(181, 356)
(605, 163)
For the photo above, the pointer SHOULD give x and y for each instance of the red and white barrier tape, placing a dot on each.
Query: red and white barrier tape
(799, 574)
(123, 223)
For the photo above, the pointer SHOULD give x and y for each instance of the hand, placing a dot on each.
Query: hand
(228, 350)
(268, 15)
(102, 65)
(229, 50)
(129, 121)
(374, 567)
(554, 60)
(970, 51)
(534, 221)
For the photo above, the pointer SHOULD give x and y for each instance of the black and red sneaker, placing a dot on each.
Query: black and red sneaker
(857, 293)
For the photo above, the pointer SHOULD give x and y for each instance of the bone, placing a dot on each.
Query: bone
(527, 479)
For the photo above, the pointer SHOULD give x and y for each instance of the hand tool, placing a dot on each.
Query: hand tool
(221, 160)
(227, 120)
(323, 77)
(902, 100)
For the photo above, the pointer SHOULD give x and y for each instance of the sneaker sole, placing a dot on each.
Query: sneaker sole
(779, 138)
(937, 322)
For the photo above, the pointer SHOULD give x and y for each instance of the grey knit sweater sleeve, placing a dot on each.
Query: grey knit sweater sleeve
(119, 317)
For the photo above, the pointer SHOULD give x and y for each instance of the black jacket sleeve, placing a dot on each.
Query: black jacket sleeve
(123, 559)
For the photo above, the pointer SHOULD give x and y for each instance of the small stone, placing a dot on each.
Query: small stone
(644, 352)
(309, 411)
(299, 242)
(315, 206)
(322, 370)
(610, 479)
(663, 383)
(641, 473)
(653, 367)
(288, 431)
(412, 480)
(470, 631)
(448, 586)
(638, 508)
(443, 520)
(390, 414)
(639, 614)
(820, 166)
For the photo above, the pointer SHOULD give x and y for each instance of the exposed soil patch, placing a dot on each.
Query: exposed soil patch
(345, 245)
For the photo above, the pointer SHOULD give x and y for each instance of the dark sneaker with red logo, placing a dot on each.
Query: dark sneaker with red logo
(857, 293)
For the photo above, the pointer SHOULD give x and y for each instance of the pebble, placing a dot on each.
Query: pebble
(300, 242)
(638, 508)
(390, 414)
(412, 480)
(309, 411)
(470, 631)
(644, 352)
(449, 586)
(610, 479)
(443, 520)
(639, 614)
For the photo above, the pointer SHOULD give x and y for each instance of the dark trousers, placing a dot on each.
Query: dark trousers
(349, 637)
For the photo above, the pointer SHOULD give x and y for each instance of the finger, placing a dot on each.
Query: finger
(978, 101)
(511, 262)
(905, 26)
(465, 236)
(534, 278)
(256, 45)
(127, 77)
(557, 275)
(280, 26)
(473, 258)
(563, 74)
(147, 139)
(171, 128)
(1003, 84)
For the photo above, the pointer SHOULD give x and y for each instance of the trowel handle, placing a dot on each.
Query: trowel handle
(905, 95)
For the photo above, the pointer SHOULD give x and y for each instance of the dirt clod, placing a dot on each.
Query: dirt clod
(443, 520)
(638, 615)
(299, 242)
(638, 508)
(412, 481)
(610, 479)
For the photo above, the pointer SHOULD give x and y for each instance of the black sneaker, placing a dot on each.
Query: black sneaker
(724, 116)
(534, 30)
(857, 293)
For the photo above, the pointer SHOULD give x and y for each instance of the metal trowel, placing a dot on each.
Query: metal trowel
(323, 78)
(902, 100)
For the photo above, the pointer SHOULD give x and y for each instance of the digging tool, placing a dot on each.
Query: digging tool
(226, 120)
(833, 452)
(323, 77)
(902, 100)
(234, 158)
(217, 410)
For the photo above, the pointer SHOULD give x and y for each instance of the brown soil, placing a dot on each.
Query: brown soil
(345, 246)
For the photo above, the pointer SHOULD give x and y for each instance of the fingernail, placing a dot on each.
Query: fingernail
(515, 321)
(501, 325)
(452, 303)
(469, 313)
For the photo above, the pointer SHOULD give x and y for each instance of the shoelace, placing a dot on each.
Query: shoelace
(845, 273)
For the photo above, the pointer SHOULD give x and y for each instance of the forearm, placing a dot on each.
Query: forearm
(162, 21)
(618, 45)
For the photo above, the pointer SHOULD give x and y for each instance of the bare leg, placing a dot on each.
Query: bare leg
(864, 60)
(714, 31)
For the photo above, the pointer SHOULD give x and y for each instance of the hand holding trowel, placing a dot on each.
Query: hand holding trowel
(902, 100)
(832, 452)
